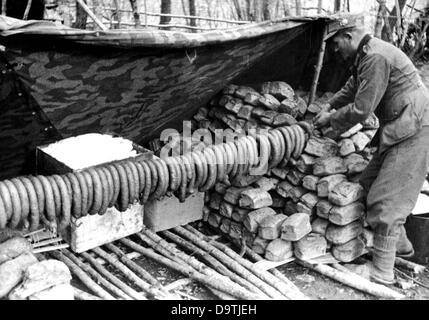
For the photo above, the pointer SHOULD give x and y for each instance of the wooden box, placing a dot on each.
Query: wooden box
(169, 212)
(95, 230)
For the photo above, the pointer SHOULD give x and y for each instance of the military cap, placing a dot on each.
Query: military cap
(344, 22)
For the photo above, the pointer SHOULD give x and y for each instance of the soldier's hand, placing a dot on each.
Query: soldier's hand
(322, 119)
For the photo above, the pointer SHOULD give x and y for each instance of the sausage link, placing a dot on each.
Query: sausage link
(308, 127)
(204, 165)
(154, 176)
(98, 192)
(76, 195)
(142, 178)
(40, 193)
(275, 150)
(7, 200)
(191, 173)
(249, 154)
(57, 196)
(109, 179)
(148, 182)
(219, 162)
(295, 153)
(302, 138)
(25, 202)
(84, 192)
(212, 174)
(34, 204)
(90, 189)
(3, 215)
(199, 173)
(162, 180)
(116, 185)
(184, 179)
(66, 202)
(49, 202)
(264, 155)
(288, 145)
(106, 191)
(136, 184)
(282, 145)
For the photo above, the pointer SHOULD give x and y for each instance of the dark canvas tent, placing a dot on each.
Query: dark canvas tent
(58, 82)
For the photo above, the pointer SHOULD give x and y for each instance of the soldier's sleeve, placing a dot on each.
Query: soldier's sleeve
(373, 78)
(344, 96)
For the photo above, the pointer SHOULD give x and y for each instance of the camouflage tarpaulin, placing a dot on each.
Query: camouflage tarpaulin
(58, 82)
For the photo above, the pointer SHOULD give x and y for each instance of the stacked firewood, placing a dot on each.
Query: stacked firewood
(304, 206)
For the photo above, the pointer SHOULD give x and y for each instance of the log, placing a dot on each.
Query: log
(13, 247)
(242, 91)
(311, 246)
(296, 227)
(254, 218)
(214, 219)
(342, 216)
(345, 193)
(255, 199)
(235, 230)
(233, 194)
(328, 166)
(278, 202)
(280, 172)
(341, 235)
(270, 226)
(245, 112)
(82, 276)
(348, 251)
(278, 250)
(210, 281)
(360, 141)
(221, 188)
(225, 225)
(310, 182)
(288, 106)
(228, 261)
(112, 278)
(353, 281)
(301, 207)
(252, 98)
(96, 276)
(268, 117)
(283, 119)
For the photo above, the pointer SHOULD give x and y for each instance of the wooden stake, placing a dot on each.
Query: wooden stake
(353, 280)
(120, 284)
(117, 13)
(97, 277)
(262, 274)
(219, 267)
(168, 250)
(27, 9)
(231, 263)
(82, 276)
(3, 7)
(318, 69)
(414, 267)
(92, 15)
(210, 281)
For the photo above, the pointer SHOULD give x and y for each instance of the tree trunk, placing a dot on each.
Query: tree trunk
(266, 9)
(319, 6)
(117, 14)
(192, 12)
(286, 8)
(81, 17)
(298, 7)
(379, 20)
(136, 14)
(337, 5)
(165, 9)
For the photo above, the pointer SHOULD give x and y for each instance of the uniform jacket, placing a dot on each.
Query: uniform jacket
(386, 82)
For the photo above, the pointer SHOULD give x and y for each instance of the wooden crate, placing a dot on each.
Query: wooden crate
(94, 230)
(169, 212)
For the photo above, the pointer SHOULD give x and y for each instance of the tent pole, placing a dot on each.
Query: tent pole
(92, 15)
(318, 67)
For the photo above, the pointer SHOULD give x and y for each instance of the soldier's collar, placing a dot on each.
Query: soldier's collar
(359, 50)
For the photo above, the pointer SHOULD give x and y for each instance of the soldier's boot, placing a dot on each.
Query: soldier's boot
(404, 247)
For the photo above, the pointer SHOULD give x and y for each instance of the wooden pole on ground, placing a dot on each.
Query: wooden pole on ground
(353, 280)
(27, 9)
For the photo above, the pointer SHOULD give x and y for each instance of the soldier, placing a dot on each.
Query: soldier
(384, 81)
